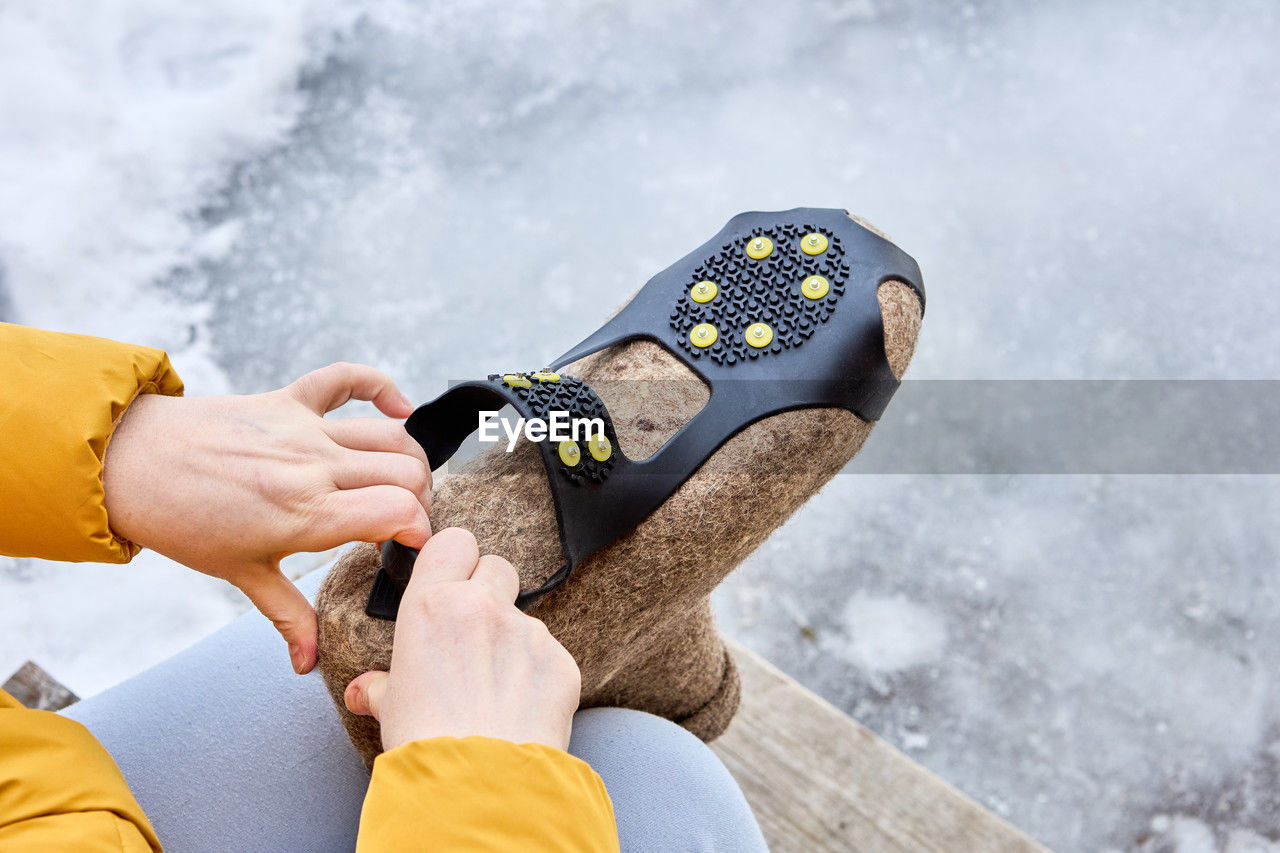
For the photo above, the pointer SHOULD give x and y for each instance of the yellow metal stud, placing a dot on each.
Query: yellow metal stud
(547, 376)
(515, 380)
(759, 247)
(703, 335)
(570, 453)
(758, 335)
(813, 243)
(703, 291)
(599, 447)
(815, 287)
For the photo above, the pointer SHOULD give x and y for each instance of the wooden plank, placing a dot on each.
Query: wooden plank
(820, 781)
(37, 689)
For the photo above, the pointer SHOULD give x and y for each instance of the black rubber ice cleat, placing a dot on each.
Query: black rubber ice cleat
(776, 312)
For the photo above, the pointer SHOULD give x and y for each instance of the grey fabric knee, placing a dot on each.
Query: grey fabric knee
(227, 749)
(670, 792)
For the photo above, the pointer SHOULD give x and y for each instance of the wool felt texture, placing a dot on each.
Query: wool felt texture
(636, 615)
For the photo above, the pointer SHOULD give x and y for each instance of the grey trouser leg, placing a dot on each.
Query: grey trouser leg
(226, 749)
(669, 790)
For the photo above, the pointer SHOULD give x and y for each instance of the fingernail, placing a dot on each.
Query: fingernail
(408, 404)
(295, 657)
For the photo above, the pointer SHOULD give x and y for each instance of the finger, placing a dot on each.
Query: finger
(353, 469)
(329, 387)
(375, 434)
(279, 600)
(370, 514)
(364, 694)
(451, 555)
(499, 576)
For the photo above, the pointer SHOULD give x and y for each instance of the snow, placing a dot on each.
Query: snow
(458, 187)
(1183, 834)
(887, 633)
(116, 125)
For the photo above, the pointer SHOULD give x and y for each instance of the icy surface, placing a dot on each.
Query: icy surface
(116, 124)
(451, 188)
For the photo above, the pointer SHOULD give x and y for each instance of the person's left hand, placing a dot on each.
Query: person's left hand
(231, 485)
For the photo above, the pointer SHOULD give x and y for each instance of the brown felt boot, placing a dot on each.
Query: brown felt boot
(636, 615)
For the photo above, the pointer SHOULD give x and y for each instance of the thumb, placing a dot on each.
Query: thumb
(279, 600)
(364, 694)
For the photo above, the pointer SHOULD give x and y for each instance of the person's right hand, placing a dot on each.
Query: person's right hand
(229, 486)
(465, 660)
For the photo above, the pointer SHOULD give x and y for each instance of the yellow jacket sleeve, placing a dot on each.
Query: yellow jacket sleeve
(480, 794)
(60, 398)
(59, 790)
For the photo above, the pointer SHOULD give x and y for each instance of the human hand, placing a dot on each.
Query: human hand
(465, 661)
(231, 485)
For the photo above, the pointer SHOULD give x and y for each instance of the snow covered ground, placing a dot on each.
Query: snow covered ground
(1089, 187)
